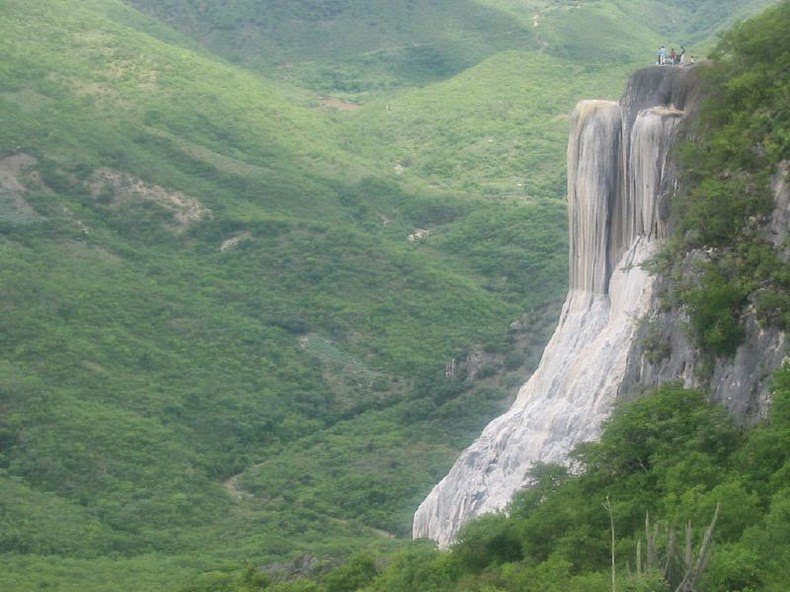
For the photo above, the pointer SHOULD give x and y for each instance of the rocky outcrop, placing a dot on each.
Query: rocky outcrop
(17, 173)
(115, 187)
(664, 352)
(616, 337)
(619, 178)
(776, 229)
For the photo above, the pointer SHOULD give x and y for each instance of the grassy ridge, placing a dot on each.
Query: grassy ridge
(498, 139)
(355, 47)
(349, 47)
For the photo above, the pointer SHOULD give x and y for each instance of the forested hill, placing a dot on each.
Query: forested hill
(677, 495)
(254, 301)
(356, 47)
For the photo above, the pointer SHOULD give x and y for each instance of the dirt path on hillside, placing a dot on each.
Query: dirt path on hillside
(232, 487)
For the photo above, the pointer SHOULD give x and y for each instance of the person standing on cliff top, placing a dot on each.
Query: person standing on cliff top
(662, 54)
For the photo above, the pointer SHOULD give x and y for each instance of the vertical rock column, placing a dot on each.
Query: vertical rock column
(594, 185)
(618, 178)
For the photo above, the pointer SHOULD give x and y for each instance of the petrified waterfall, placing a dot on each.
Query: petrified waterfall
(619, 177)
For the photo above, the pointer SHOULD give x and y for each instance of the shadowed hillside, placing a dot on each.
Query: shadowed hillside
(354, 46)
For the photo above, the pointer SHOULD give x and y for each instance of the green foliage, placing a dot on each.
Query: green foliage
(417, 567)
(734, 568)
(348, 47)
(714, 309)
(251, 579)
(218, 344)
(488, 541)
(671, 455)
(493, 130)
(296, 586)
(353, 575)
(334, 46)
(740, 139)
(656, 430)
(146, 364)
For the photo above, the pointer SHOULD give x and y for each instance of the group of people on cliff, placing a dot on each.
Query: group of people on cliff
(672, 58)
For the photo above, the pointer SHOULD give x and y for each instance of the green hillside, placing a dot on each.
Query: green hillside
(675, 495)
(346, 45)
(218, 342)
(362, 46)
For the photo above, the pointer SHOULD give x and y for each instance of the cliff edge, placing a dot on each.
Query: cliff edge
(620, 178)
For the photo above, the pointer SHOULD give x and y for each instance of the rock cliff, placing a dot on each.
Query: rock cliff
(616, 337)
(663, 350)
(619, 177)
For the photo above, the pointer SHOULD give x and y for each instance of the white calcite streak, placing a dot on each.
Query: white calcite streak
(618, 177)
(594, 164)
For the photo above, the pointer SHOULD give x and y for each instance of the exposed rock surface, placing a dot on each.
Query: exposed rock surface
(664, 352)
(776, 230)
(127, 187)
(615, 337)
(14, 168)
(619, 179)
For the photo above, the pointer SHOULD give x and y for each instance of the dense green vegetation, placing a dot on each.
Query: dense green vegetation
(690, 497)
(675, 495)
(218, 343)
(743, 132)
(355, 47)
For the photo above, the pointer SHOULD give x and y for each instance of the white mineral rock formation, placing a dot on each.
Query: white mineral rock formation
(618, 178)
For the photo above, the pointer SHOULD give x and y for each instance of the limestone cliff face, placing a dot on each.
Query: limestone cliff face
(615, 338)
(663, 351)
(620, 177)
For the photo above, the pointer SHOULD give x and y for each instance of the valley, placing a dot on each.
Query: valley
(219, 345)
